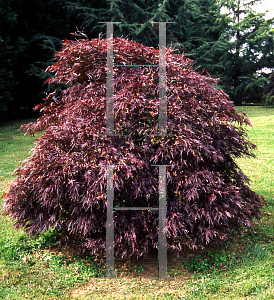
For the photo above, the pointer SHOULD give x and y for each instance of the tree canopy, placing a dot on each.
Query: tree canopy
(248, 44)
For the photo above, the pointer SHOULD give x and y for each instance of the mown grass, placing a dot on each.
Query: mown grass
(241, 269)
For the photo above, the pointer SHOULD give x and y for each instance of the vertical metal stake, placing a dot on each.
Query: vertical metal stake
(162, 80)
(162, 246)
(110, 86)
(110, 224)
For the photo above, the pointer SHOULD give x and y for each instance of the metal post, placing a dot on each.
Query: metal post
(110, 86)
(162, 246)
(110, 225)
(162, 80)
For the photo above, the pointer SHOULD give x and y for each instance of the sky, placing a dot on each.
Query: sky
(264, 6)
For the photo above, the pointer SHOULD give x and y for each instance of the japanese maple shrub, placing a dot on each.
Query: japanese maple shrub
(64, 182)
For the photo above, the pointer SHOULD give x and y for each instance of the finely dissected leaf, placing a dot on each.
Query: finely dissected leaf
(64, 183)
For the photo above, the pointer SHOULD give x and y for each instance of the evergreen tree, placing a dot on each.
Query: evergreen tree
(11, 51)
(269, 91)
(29, 38)
(210, 24)
(131, 14)
(137, 19)
(244, 49)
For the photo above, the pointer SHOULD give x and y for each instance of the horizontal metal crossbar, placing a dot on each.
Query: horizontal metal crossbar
(167, 135)
(134, 23)
(135, 208)
(136, 66)
(114, 165)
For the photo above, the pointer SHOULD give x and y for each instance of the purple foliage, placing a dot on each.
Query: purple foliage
(62, 185)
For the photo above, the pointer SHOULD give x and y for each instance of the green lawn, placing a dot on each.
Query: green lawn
(242, 269)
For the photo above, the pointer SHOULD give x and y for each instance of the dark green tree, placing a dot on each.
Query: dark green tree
(269, 91)
(137, 19)
(209, 28)
(11, 50)
(28, 38)
(244, 50)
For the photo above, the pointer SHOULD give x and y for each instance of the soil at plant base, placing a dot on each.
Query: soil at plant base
(130, 283)
(127, 278)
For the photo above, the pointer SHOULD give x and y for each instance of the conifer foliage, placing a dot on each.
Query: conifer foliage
(64, 183)
(269, 91)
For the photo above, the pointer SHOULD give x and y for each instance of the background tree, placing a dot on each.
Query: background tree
(209, 25)
(11, 49)
(269, 91)
(193, 20)
(29, 38)
(244, 49)
(62, 184)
